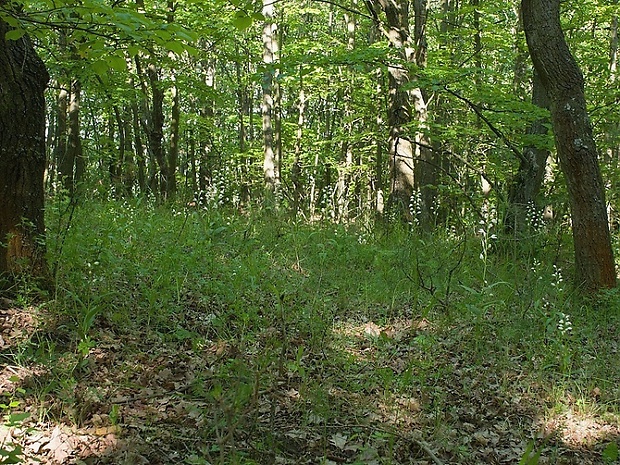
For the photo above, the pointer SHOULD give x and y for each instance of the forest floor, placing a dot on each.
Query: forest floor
(202, 339)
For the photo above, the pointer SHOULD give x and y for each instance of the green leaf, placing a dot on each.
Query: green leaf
(610, 453)
(14, 34)
(117, 63)
(176, 47)
(242, 21)
(100, 67)
(15, 419)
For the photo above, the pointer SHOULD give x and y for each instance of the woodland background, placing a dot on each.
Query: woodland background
(309, 232)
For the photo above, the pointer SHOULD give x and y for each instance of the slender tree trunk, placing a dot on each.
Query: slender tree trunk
(296, 171)
(23, 79)
(243, 109)
(406, 102)
(117, 156)
(70, 159)
(344, 169)
(156, 128)
(206, 138)
(526, 185)
(129, 162)
(139, 148)
(60, 133)
(269, 57)
(426, 160)
(563, 81)
(173, 149)
(74, 138)
(613, 152)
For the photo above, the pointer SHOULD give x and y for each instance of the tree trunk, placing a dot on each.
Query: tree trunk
(526, 184)
(23, 79)
(426, 160)
(296, 171)
(156, 130)
(269, 56)
(563, 81)
(75, 154)
(404, 100)
(173, 154)
(175, 116)
(343, 185)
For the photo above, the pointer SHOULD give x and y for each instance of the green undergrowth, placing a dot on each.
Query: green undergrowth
(275, 341)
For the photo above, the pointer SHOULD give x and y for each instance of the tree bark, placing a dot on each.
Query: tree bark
(343, 185)
(563, 81)
(526, 184)
(269, 56)
(74, 157)
(426, 160)
(23, 79)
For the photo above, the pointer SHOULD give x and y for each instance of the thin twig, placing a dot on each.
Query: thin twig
(517, 153)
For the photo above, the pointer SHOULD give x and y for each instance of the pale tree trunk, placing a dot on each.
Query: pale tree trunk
(399, 106)
(243, 110)
(613, 49)
(137, 142)
(563, 81)
(297, 170)
(270, 53)
(426, 160)
(379, 194)
(205, 135)
(405, 105)
(613, 152)
(344, 169)
(23, 79)
(173, 149)
(613, 127)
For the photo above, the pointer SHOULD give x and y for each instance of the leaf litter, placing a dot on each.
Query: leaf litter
(401, 392)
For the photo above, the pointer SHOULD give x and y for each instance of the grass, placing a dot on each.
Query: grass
(195, 337)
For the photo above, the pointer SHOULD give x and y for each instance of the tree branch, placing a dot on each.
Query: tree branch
(516, 152)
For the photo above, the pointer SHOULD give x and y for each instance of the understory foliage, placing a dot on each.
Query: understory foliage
(201, 336)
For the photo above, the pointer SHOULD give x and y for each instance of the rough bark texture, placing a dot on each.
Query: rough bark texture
(399, 100)
(526, 185)
(426, 160)
(23, 79)
(269, 56)
(156, 132)
(562, 78)
(72, 168)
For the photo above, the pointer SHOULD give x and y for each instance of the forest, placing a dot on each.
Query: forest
(309, 232)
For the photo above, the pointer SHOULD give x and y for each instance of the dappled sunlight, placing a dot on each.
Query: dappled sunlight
(579, 430)
(363, 335)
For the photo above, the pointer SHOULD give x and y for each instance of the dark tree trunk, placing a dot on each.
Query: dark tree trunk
(23, 79)
(74, 158)
(526, 184)
(156, 129)
(562, 78)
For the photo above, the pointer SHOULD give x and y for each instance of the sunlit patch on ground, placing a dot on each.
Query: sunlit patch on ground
(579, 430)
